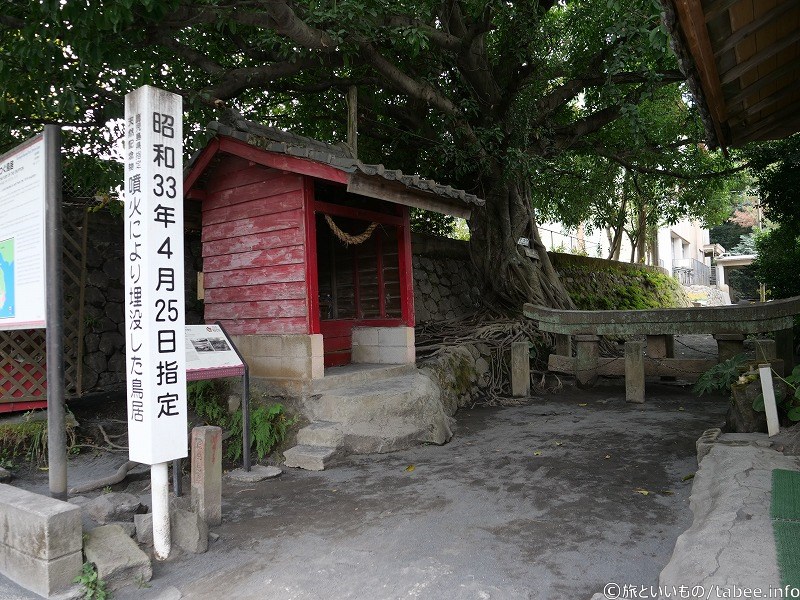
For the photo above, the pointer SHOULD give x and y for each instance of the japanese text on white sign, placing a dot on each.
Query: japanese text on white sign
(154, 315)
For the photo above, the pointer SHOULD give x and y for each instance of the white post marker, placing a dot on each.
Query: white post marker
(154, 292)
(765, 373)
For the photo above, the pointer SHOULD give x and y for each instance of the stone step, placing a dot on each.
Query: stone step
(374, 400)
(320, 433)
(310, 458)
(381, 437)
(358, 374)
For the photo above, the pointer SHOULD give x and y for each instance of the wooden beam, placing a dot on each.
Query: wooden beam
(208, 153)
(397, 193)
(759, 57)
(356, 213)
(715, 9)
(754, 26)
(693, 24)
(282, 162)
(762, 82)
(759, 130)
(767, 102)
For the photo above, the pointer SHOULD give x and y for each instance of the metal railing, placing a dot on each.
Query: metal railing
(691, 272)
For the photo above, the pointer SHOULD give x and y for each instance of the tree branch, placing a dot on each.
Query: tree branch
(444, 40)
(234, 82)
(11, 22)
(561, 95)
(190, 55)
(277, 16)
(620, 160)
(280, 17)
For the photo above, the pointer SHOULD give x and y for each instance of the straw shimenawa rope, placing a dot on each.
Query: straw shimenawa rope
(348, 239)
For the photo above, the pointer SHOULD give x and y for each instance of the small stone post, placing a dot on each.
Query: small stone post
(634, 371)
(765, 350)
(587, 353)
(563, 344)
(729, 345)
(520, 369)
(207, 473)
(784, 347)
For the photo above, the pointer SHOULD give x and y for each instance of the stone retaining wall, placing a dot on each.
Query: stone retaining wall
(444, 278)
(104, 297)
(444, 281)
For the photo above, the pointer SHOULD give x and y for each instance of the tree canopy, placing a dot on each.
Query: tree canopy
(545, 102)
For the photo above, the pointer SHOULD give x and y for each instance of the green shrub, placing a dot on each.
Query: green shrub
(720, 377)
(268, 424)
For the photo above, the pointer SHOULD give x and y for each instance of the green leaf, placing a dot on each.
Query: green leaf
(794, 414)
(758, 403)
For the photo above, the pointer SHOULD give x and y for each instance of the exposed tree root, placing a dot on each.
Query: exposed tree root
(495, 331)
(121, 474)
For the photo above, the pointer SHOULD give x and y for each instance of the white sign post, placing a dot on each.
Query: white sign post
(22, 236)
(154, 291)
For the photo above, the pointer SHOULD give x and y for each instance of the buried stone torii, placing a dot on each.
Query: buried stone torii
(728, 324)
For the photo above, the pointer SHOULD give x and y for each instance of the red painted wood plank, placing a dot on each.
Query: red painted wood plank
(336, 328)
(357, 213)
(200, 164)
(252, 208)
(256, 310)
(229, 164)
(7, 406)
(335, 344)
(337, 359)
(255, 276)
(247, 172)
(258, 258)
(406, 273)
(257, 241)
(263, 224)
(282, 161)
(312, 276)
(264, 326)
(253, 191)
(295, 290)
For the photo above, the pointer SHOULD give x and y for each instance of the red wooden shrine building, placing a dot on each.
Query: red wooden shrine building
(307, 251)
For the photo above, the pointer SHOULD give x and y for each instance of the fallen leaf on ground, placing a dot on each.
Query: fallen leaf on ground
(559, 443)
(409, 468)
(583, 404)
(608, 456)
(680, 408)
(537, 453)
(641, 491)
(688, 477)
(667, 492)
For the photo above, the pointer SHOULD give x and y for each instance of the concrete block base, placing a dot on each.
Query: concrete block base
(292, 357)
(383, 345)
(43, 577)
(40, 540)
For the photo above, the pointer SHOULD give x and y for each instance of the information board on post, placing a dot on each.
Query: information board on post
(154, 284)
(210, 354)
(22, 236)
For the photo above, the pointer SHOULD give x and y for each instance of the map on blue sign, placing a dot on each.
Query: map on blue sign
(7, 300)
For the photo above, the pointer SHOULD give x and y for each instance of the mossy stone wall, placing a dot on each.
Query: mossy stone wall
(445, 281)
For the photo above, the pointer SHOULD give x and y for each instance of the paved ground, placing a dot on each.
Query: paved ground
(540, 501)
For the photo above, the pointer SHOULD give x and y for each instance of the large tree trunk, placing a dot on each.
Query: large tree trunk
(510, 278)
